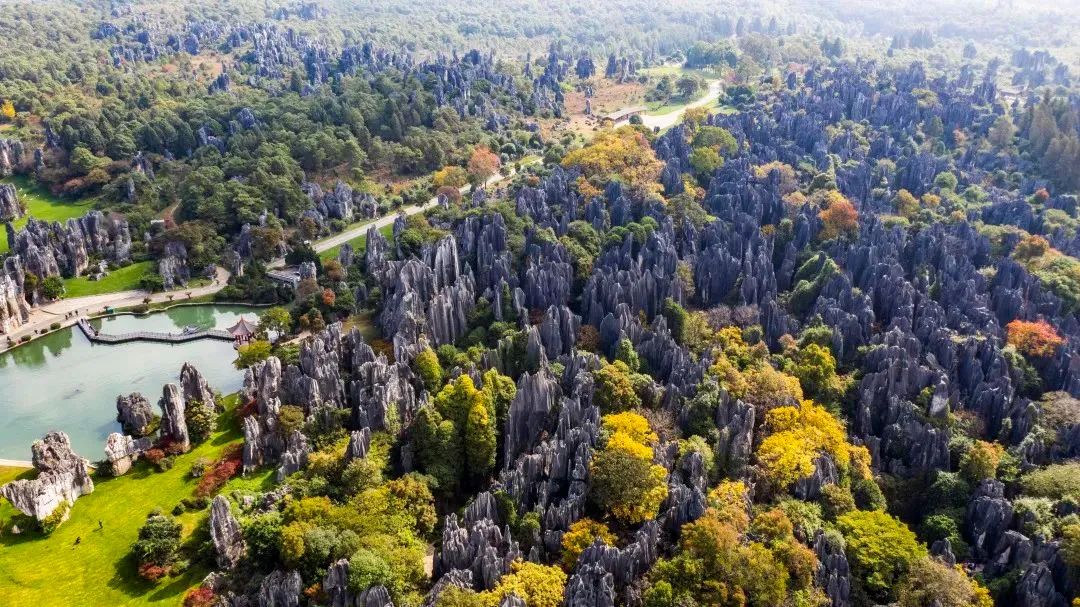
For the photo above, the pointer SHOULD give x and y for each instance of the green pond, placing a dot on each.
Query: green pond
(64, 382)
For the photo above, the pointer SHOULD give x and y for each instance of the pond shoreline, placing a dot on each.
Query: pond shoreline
(69, 323)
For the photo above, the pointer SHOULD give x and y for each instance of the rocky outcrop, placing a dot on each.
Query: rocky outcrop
(833, 574)
(536, 394)
(62, 476)
(359, 443)
(280, 589)
(173, 265)
(173, 423)
(988, 517)
(121, 451)
(225, 533)
(195, 389)
(55, 249)
(10, 207)
(14, 311)
(134, 414)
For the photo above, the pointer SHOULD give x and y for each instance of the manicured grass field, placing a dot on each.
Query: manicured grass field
(42, 205)
(121, 279)
(53, 570)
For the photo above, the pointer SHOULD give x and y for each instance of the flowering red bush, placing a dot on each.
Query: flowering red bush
(154, 455)
(152, 572)
(225, 468)
(1042, 195)
(200, 597)
(1037, 339)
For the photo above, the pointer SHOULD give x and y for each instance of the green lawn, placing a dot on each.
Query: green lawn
(41, 204)
(121, 279)
(359, 244)
(46, 571)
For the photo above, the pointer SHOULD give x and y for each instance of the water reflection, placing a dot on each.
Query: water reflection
(63, 382)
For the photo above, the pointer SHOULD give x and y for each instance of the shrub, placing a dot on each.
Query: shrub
(57, 516)
(224, 469)
(1034, 339)
(200, 597)
(201, 421)
(580, 536)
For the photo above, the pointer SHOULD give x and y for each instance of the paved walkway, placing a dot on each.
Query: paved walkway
(67, 311)
(670, 119)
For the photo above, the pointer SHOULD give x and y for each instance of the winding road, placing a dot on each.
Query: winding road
(670, 119)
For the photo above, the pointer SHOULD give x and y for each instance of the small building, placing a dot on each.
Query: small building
(625, 114)
(243, 331)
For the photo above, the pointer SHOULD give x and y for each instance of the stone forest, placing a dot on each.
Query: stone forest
(540, 303)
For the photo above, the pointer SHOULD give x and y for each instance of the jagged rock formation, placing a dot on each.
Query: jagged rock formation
(14, 311)
(55, 249)
(173, 423)
(134, 414)
(10, 207)
(225, 533)
(280, 589)
(62, 476)
(121, 451)
(195, 389)
(173, 265)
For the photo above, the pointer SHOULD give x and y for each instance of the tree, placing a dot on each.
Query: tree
(450, 177)
(480, 439)
(625, 482)
(1002, 133)
(251, 353)
(483, 163)
(705, 161)
(881, 550)
(840, 218)
(53, 287)
(276, 319)
(614, 389)
(201, 420)
(1036, 339)
(688, 85)
(981, 461)
(932, 582)
(1030, 248)
(159, 540)
(426, 365)
(538, 585)
(906, 204)
(714, 566)
(580, 536)
(624, 153)
(7, 111)
(797, 436)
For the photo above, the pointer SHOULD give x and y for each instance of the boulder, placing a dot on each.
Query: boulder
(134, 414)
(62, 477)
(121, 451)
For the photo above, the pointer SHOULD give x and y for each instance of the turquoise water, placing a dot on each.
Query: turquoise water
(64, 382)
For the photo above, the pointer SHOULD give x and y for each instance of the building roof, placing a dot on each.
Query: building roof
(243, 328)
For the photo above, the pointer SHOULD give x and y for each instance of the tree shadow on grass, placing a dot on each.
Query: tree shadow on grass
(126, 579)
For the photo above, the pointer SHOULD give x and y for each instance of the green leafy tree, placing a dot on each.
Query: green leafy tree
(252, 353)
(881, 549)
(427, 367)
(614, 389)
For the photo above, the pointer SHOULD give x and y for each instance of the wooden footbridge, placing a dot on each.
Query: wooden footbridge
(169, 338)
